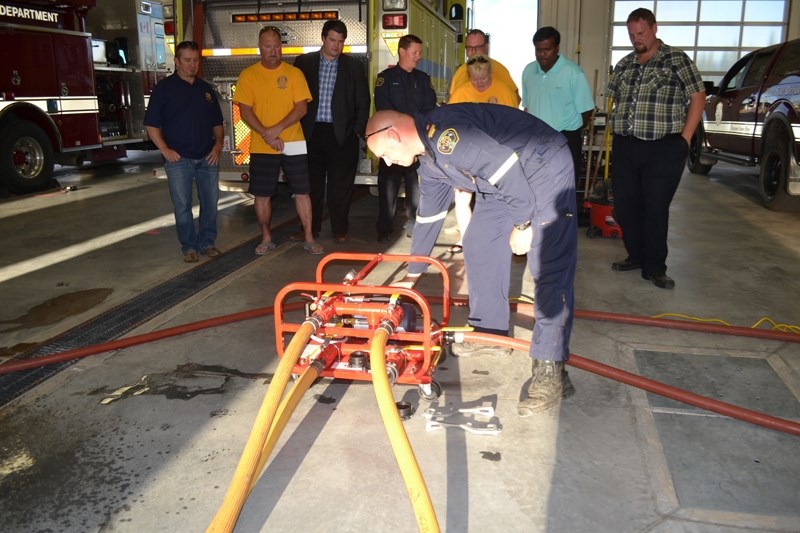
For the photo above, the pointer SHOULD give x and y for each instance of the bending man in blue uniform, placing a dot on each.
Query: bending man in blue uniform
(521, 172)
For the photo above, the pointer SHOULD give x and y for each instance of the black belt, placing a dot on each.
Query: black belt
(632, 138)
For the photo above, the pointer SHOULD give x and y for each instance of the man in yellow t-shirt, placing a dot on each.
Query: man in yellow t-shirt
(273, 96)
(477, 43)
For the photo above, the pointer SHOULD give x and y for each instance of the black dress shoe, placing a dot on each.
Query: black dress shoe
(625, 265)
(660, 280)
(384, 237)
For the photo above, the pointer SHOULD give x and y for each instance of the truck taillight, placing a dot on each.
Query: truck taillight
(245, 176)
(395, 22)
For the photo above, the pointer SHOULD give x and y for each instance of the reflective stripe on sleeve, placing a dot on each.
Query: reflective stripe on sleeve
(434, 218)
(503, 169)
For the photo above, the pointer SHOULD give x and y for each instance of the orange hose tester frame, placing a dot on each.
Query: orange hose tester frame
(351, 311)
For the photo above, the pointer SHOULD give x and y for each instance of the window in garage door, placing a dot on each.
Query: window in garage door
(714, 33)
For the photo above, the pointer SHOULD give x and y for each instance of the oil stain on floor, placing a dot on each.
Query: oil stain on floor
(56, 309)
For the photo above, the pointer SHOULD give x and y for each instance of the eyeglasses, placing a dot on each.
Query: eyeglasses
(476, 59)
(474, 48)
(368, 135)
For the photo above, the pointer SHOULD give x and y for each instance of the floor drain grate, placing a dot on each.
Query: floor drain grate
(116, 322)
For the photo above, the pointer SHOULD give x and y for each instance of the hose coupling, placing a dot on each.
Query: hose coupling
(318, 365)
(455, 333)
(387, 325)
(315, 320)
(392, 372)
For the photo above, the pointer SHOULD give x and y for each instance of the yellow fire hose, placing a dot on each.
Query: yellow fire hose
(285, 410)
(247, 471)
(415, 484)
(271, 421)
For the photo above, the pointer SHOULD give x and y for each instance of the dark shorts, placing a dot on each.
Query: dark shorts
(265, 170)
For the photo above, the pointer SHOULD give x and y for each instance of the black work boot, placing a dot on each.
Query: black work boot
(549, 384)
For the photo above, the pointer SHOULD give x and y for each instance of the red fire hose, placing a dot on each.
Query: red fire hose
(747, 415)
(668, 391)
(78, 353)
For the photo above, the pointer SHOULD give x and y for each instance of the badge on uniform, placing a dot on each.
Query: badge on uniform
(208, 97)
(431, 129)
(447, 141)
(379, 81)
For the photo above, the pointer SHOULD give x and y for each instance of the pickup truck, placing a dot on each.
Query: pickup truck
(753, 118)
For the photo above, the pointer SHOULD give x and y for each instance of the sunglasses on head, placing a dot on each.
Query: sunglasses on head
(477, 59)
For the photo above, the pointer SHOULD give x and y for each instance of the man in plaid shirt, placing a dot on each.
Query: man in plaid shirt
(658, 101)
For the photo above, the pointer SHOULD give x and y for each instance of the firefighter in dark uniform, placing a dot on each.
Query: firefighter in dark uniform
(408, 90)
(522, 175)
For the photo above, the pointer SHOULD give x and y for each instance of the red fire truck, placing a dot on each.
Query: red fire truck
(74, 83)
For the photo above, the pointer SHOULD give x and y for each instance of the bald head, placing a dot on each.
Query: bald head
(380, 120)
(393, 137)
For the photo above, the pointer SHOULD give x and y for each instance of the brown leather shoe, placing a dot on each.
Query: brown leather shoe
(190, 256)
(211, 251)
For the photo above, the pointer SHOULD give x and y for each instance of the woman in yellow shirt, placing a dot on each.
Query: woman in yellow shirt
(480, 89)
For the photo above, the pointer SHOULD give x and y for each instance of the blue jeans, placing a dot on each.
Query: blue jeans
(180, 176)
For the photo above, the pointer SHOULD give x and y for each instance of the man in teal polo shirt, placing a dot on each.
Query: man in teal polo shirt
(555, 90)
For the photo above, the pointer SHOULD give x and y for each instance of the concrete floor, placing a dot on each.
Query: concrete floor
(147, 438)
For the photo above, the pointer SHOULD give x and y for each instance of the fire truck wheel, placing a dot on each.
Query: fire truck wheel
(26, 157)
(775, 171)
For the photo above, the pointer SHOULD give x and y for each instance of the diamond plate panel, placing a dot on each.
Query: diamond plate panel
(718, 463)
(742, 381)
(726, 465)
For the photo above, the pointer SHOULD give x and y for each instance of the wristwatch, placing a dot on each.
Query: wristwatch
(523, 226)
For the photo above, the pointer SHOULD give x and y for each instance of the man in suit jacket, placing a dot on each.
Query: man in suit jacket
(336, 119)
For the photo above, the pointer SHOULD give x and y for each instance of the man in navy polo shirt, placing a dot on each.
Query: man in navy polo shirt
(184, 121)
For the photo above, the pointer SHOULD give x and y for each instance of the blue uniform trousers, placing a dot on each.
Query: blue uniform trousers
(552, 261)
